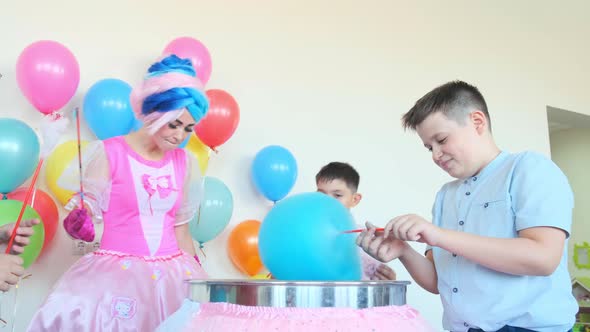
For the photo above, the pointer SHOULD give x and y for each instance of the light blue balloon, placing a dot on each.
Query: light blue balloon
(215, 211)
(302, 238)
(274, 172)
(19, 153)
(107, 109)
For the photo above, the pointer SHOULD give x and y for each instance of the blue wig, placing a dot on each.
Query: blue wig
(177, 86)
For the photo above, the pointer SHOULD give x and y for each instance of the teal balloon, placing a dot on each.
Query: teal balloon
(19, 153)
(215, 211)
(9, 211)
(302, 238)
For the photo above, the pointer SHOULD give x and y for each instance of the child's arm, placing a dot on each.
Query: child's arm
(421, 269)
(11, 268)
(386, 249)
(536, 251)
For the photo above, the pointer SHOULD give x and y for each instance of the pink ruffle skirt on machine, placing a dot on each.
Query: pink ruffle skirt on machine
(270, 305)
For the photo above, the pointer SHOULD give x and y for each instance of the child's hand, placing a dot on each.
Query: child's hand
(23, 233)
(379, 247)
(384, 272)
(11, 268)
(411, 227)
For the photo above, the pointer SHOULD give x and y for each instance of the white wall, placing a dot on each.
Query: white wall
(327, 79)
(570, 149)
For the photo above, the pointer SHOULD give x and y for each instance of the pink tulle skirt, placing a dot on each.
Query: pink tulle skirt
(112, 291)
(221, 317)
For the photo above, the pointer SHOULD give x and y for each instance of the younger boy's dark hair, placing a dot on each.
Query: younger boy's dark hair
(454, 99)
(341, 171)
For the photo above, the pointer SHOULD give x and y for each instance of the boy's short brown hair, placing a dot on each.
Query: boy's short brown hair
(454, 99)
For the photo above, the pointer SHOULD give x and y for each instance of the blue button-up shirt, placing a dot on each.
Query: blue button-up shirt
(512, 193)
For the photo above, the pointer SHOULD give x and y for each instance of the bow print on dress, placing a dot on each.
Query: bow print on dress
(160, 184)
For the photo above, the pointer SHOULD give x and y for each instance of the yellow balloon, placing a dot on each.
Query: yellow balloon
(261, 276)
(56, 164)
(200, 151)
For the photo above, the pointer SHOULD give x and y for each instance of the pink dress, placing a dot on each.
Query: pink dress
(134, 281)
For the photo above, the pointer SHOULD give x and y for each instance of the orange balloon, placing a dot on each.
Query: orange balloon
(242, 247)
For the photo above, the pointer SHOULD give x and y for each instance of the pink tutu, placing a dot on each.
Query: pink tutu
(111, 291)
(236, 318)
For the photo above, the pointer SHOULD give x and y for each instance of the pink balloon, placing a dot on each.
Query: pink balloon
(48, 75)
(187, 47)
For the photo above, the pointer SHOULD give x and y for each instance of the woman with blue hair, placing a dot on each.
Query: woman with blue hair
(145, 189)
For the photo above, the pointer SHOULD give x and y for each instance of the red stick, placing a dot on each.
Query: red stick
(363, 229)
(25, 202)
(77, 114)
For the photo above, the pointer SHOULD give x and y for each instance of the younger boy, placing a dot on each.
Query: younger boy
(341, 181)
(497, 243)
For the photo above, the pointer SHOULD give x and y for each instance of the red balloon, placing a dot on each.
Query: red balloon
(45, 207)
(221, 121)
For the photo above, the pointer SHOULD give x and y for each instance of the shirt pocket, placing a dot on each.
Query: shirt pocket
(493, 217)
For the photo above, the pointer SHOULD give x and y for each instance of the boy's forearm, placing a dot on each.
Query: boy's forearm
(537, 251)
(421, 269)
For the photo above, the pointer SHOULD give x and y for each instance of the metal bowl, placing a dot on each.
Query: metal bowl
(301, 294)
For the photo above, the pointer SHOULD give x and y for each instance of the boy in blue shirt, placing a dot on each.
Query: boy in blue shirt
(497, 244)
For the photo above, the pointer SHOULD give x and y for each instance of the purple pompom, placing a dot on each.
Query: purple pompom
(79, 225)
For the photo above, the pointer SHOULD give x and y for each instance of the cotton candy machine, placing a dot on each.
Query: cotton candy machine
(300, 294)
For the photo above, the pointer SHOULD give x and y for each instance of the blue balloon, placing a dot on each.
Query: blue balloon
(214, 213)
(107, 109)
(274, 172)
(19, 153)
(302, 238)
(136, 125)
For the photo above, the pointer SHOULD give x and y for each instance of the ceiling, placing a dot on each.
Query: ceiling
(560, 119)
